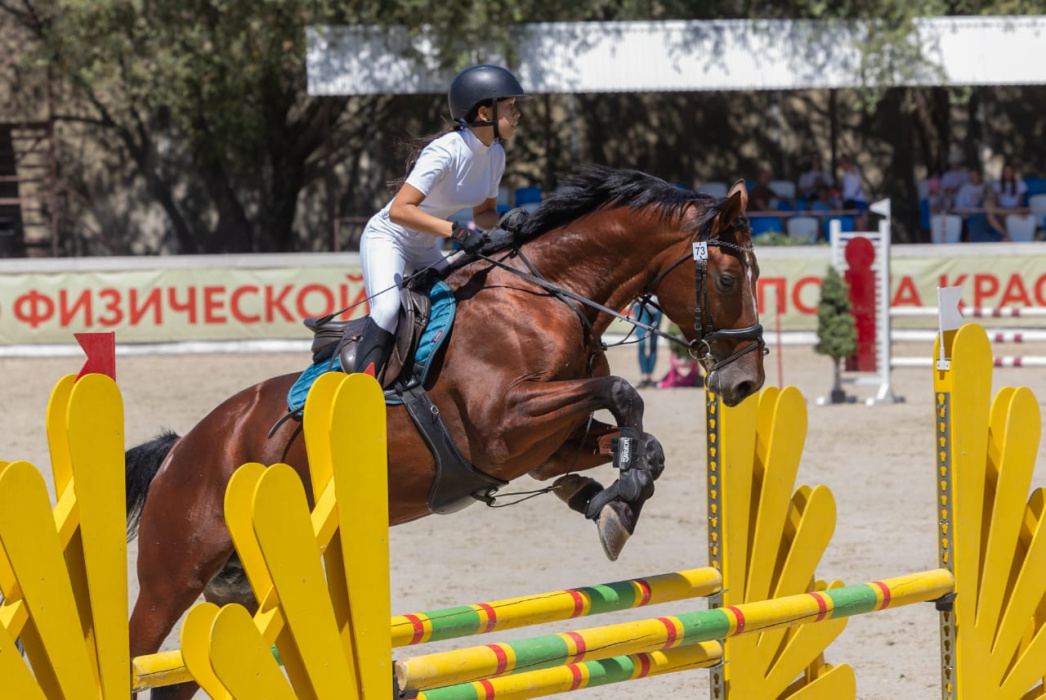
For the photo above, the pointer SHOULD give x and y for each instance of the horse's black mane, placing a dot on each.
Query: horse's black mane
(597, 186)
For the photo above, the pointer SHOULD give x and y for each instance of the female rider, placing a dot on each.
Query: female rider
(461, 167)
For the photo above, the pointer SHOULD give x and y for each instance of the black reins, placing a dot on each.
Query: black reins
(706, 332)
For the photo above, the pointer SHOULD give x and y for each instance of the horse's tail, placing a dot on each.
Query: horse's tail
(143, 462)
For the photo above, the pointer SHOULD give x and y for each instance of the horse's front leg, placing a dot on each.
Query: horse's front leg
(587, 448)
(638, 456)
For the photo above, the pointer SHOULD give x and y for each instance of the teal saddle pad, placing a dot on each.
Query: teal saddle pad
(441, 318)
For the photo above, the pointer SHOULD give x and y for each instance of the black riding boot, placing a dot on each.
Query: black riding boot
(372, 352)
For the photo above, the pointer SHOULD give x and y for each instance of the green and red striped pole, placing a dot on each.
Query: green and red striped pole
(588, 674)
(493, 660)
(482, 618)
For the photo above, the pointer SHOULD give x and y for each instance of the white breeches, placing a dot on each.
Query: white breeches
(384, 258)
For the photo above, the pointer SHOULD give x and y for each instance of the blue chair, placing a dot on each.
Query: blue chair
(528, 195)
(765, 224)
(1037, 204)
(924, 214)
(846, 223)
(504, 199)
(1036, 185)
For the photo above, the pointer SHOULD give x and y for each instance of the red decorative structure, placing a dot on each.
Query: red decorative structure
(100, 349)
(860, 255)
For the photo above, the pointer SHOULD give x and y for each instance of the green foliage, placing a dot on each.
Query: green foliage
(223, 82)
(774, 238)
(836, 334)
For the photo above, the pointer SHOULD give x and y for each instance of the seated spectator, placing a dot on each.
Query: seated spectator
(971, 194)
(994, 229)
(969, 201)
(955, 176)
(935, 196)
(761, 197)
(816, 175)
(852, 190)
(1010, 189)
(824, 200)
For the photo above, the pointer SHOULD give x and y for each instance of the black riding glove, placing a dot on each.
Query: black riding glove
(469, 240)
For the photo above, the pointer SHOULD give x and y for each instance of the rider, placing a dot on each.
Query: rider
(460, 167)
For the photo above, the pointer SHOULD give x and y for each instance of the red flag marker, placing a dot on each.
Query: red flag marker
(100, 349)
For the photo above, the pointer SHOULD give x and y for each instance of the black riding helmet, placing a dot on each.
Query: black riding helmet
(478, 85)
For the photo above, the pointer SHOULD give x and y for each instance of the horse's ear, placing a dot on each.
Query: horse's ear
(739, 187)
(735, 205)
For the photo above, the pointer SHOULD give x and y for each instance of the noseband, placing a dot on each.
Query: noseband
(706, 332)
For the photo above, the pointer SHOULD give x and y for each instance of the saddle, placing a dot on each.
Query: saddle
(343, 337)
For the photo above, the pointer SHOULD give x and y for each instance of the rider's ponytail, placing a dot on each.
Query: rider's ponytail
(411, 149)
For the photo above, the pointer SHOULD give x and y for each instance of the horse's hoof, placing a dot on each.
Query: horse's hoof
(576, 491)
(615, 525)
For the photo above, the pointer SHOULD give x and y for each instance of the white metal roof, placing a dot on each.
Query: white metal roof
(683, 55)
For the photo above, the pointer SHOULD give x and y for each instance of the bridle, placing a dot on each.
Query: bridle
(705, 331)
(704, 326)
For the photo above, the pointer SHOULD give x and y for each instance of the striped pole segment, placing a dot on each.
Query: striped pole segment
(995, 336)
(973, 312)
(482, 618)
(588, 674)
(166, 668)
(1002, 361)
(477, 663)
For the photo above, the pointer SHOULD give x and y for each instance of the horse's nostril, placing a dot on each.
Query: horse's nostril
(745, 389)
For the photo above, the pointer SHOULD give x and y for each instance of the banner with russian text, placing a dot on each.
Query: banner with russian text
(222, 298)
(217, 300)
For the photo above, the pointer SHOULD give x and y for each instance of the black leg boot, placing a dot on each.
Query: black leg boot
(373, 350)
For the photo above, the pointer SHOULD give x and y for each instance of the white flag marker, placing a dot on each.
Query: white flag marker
(949, 317)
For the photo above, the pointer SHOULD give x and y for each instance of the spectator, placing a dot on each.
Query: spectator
(812, 178)
(935, 196)
(761, 197)
(853, 190)
(1010, 189)
(824, 200)
(651, 316)
(954, 177)
(970, 195)
(969, 201)
(996, 230)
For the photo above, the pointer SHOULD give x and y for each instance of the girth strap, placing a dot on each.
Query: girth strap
(458, 484)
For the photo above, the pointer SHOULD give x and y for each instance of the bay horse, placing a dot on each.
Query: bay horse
(522, 373)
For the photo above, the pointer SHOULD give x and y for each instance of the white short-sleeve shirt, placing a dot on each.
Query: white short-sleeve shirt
(1010, 198)
(453, 172)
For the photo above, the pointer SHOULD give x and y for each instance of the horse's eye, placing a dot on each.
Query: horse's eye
(727, 281)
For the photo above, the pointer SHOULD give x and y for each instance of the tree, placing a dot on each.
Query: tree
(206, 101)
(836, 334)
(203, 103)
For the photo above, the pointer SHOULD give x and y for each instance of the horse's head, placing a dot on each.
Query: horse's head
(713, 300)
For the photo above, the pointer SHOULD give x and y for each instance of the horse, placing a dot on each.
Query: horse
(520, 376)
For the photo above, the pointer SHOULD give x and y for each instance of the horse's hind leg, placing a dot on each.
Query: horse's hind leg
(171, 579)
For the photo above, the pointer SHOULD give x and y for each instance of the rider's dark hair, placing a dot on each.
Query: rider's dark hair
(411, 148)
